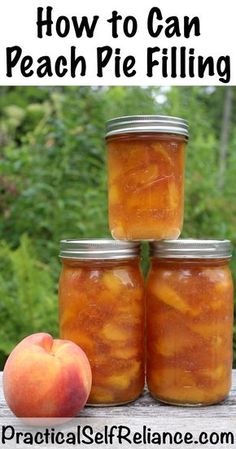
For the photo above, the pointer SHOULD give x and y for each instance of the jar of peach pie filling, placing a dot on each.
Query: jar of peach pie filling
(146, 176)
(189, 321)
(101, 308)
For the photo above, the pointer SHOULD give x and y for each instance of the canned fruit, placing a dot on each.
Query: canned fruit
(146, 186)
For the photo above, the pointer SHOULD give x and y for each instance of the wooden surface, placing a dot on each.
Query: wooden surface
(145, 413)
(146, 407)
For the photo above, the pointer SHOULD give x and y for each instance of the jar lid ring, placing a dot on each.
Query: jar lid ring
(147, 123)
(191, 249)
(83, 249)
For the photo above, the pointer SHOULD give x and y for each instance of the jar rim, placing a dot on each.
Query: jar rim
(147, 123)
(104, 248)
(191, 249)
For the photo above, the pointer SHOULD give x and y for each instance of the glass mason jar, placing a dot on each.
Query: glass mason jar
(101, 308)
(189, 321)
(146, 176)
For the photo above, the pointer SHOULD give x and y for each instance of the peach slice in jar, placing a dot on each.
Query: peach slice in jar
(169, 296)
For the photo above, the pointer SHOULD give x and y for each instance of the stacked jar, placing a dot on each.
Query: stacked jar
(189, 321)
(101, 299)
(189, 291)
(146, 177)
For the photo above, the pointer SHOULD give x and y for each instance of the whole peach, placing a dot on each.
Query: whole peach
(44, 377)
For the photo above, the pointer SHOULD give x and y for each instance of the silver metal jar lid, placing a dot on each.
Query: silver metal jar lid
(84, 249)
(191, 249)
(147, 123)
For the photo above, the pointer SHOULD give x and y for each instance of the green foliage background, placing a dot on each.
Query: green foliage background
(53, 183)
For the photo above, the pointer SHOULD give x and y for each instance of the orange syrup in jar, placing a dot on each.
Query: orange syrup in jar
(101, 308)
(189, 325)
(146, 182)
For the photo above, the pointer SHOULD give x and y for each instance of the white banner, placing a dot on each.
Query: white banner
(53, 42)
